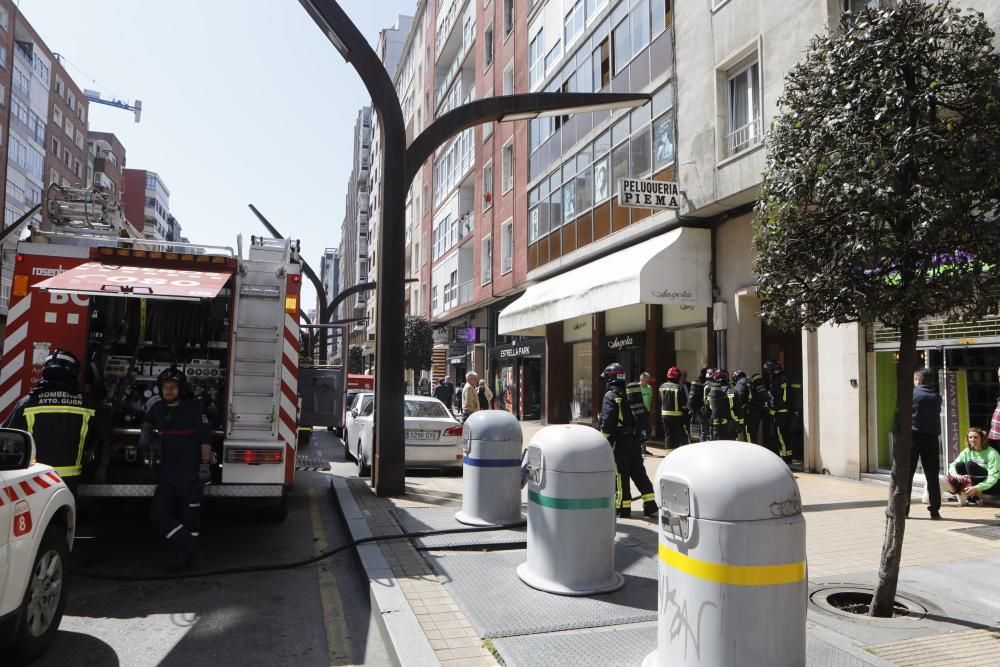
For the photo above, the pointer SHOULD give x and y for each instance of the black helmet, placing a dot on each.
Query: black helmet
(772, 367)
(720, 375)
(614, 373)
(172, 374)
(739, 375)
(61, 365)
(706, 373)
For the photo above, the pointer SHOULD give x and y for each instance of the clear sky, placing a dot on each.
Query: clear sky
(244, 101)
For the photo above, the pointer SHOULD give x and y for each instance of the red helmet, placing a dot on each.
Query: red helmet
(720, 375)
(673, 373)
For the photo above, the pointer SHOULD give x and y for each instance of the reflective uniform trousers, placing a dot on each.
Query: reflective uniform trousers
(628, 460)
(176, 514)
(675, 431)
(780, 442)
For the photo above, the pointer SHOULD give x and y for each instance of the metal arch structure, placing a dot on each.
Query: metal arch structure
(400, 165)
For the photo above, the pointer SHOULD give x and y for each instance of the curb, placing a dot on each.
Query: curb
(405, 640)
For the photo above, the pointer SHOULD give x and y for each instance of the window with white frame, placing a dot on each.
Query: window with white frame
(536, 59)
(488, 47)
(508, 79)
(744, 128)
(508, 17)
(508, 165)
(487, 260)
(506, 247)
(488, 127)
(574, 22)
(488, 185)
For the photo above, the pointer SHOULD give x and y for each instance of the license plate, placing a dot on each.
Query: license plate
(422, 435)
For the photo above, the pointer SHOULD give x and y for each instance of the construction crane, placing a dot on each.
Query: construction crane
(95, 97)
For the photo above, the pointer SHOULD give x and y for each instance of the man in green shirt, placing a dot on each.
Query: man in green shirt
(646, 385)
(975, 471)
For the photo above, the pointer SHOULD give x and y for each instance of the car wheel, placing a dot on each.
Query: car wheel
(364, 469)
(45, 598)
(348, 454)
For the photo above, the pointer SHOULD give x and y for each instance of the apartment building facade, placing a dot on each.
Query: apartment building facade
(146, 203)
(107, 157)
(354, 233)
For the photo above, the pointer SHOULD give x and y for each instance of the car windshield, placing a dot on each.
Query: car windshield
(424, 409)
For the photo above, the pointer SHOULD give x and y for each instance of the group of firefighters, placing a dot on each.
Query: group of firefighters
(723, 406)
(66, 426)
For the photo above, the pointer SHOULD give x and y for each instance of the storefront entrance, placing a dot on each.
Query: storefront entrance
(519, 379)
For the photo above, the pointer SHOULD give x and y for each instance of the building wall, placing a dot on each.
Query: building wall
(134, 197)
(735, 282)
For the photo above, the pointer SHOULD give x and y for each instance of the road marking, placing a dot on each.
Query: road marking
(338, 646)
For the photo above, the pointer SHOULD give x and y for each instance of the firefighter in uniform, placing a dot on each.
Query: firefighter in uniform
(640, 414)
(743, 400)
(696, 404)
(779, 407)
(673, 409)
(618, 426)
(59, 418)
(185, 452)
(721, 403)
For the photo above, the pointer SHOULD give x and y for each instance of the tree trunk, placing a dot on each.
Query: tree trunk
(899, 487)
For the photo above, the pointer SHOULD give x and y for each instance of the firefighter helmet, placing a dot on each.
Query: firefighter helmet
(673, 373)
(61, 365)
(614, 373)
(772, 367)
(720, 375)
(739, 375)
(172, 374)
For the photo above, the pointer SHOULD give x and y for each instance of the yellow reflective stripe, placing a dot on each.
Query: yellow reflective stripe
(734, 575)
(85, 413)
(646, 497)
(618, 490)
(69, 471)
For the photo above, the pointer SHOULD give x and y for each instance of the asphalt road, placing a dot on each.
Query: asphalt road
(312, 615)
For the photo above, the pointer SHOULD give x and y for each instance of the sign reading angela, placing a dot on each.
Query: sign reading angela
(632, 341)
(640, 193)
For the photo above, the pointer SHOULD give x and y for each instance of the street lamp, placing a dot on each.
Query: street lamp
(400, 165)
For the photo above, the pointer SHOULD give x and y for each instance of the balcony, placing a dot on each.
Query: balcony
(744, 137)
(444, 32)
(457, 64)
(465, 292)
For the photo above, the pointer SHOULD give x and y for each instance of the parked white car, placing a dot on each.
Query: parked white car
(361, 401)
(34, 550)
(432, 437)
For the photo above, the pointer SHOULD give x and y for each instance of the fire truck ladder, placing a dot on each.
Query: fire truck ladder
(257, 340)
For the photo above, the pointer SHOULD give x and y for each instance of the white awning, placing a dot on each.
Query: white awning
(669, 269)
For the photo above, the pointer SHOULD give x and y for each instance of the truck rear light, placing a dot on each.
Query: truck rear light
(253, 456)
(454, 430)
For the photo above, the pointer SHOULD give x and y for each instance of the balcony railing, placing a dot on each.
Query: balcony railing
(465, 292)
(744, 137)
(441, 37)
(468, 39)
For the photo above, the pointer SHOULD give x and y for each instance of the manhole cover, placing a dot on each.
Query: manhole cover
(853, 601)
(985, 532)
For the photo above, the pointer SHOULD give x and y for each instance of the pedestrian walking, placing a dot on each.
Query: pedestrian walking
(618, 426)
(673, 410)
(59, 418)
(470, 395)
(926, 433)
(444, 392)
(485, 396)
(185, 455)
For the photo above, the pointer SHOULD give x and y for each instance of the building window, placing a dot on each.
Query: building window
(856, 6)
(488, 48)
(622, 45)
(506, 247)
(536, 59)
(488, 127)
(22, 82)
(4, 18)
(744, 116)
(487, 260)
(508, 17)
(488, 185)
(3, 56)
(57, 116)
(602, 64)
(574, 22)
(508, 79)
(553, 55)
(508, 166)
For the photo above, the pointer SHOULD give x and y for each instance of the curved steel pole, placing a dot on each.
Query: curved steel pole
(388, 473)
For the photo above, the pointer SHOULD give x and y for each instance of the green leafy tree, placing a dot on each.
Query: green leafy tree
(356, 359)
(418, 344)
(880, 195)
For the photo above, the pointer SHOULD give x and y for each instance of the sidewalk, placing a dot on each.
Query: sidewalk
(460, 606)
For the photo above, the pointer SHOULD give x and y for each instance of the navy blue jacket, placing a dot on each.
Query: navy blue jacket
(926, 410)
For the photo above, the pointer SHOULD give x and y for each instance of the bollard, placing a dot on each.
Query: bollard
(732, 551)
(491, 443)
(571, 513)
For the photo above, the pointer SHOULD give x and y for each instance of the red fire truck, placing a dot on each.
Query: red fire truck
(132, 307)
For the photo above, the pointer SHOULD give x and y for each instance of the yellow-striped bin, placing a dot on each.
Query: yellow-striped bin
(571, 513)
(732, 559)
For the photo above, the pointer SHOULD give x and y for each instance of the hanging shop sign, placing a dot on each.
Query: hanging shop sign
(466, 335)
(644, 193)
(518, 350)
(632, 341)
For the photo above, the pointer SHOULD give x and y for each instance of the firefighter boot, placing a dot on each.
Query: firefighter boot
(649, 508)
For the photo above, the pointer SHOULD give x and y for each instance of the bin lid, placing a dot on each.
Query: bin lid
(729, 481)
(493, 425)
(573, 448)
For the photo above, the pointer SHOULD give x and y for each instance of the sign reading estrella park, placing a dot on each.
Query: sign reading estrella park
(642, 193)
